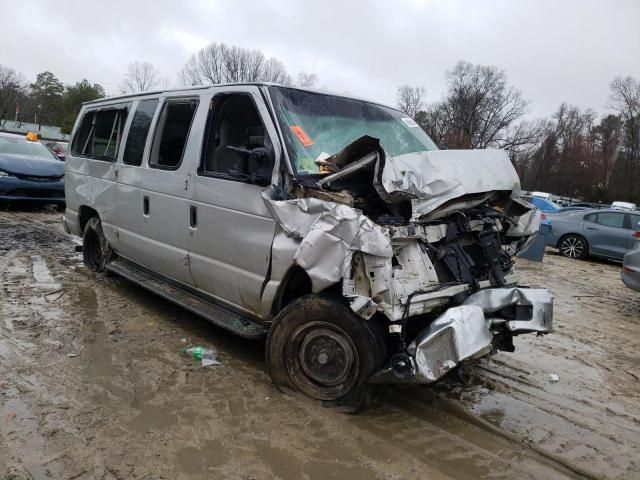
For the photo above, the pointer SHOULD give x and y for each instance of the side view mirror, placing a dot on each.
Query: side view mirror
(261, 163)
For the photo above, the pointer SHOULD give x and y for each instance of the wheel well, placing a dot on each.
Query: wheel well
(296, 284)
(84, 215)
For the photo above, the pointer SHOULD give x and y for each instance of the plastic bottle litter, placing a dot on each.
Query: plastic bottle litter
(206, 355)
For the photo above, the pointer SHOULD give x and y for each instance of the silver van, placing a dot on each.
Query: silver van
(332, 226)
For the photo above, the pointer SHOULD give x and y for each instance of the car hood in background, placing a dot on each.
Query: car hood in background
(31, 166)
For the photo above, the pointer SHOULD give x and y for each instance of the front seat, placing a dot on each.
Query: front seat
(226, 160)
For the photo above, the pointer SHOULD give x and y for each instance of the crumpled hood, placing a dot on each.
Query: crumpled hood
(31, 166)
(435, 178)
(438, 182)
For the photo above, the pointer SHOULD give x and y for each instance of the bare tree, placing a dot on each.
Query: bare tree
(625, 99)
(140, 77)
(625, 96)
(307, 79)
(221, 63)
(479, 109)
(12, 87)
(606, 139)
(411, 99)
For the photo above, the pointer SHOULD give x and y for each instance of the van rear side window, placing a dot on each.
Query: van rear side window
(138, 132)
(100, 134)
(172, 132)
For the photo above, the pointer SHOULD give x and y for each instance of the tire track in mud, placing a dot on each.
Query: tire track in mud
(129, 405)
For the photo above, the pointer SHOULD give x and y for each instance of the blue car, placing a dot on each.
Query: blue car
(542, 204)
(29, 171)
(605, 233)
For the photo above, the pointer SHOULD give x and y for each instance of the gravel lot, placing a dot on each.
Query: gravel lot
(93, 385)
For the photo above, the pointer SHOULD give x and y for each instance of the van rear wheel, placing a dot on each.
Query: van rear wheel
(96, 251)
(319, 347)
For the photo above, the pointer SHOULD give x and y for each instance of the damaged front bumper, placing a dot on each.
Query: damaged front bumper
(471, 330)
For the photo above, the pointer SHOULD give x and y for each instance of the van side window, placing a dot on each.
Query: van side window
(138, 131)
(172, 132)
(100, 134)
(237, 146)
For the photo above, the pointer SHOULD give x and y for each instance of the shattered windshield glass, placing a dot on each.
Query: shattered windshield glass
(316, 126)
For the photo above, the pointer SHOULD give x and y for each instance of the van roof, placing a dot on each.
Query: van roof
(206, 87)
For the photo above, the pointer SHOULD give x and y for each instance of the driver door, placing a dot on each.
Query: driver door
(231, 229)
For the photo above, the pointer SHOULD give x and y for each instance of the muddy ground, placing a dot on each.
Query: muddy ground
(93, 385)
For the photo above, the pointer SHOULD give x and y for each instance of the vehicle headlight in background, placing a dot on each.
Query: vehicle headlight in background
(4, 174)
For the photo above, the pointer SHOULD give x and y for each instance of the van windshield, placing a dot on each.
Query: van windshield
(317, 125)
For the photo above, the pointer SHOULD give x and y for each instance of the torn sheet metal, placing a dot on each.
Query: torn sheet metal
(329, 233)
(466, 331)
(437, 177)
(432, 179)
(458, 334)
(527, 223)
(538, 318)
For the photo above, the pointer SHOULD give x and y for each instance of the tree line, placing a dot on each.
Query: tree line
(47, 101)
(572, 153)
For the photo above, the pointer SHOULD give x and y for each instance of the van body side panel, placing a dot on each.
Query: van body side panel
(153, 208)
(91, 183)
(230, 250)
(282, 252)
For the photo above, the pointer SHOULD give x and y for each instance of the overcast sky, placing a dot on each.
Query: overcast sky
(552, 50)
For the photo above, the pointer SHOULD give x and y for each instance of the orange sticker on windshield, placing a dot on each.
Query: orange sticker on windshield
(302, 135)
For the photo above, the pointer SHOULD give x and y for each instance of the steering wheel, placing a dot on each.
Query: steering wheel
(235, 148)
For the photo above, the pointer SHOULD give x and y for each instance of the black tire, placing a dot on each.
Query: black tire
(96, 251)
(319, 347)
(573, 246)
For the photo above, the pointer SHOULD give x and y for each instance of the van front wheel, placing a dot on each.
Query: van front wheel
(319, 347)
(96, 251)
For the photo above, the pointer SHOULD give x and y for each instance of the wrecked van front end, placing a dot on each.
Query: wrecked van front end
(423, 241)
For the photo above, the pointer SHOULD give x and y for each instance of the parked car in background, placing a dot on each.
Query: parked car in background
(572, 208)
(29, 171)
(628, 206)
(59, 149)
(606, 233)
(543, 204)
(545, 195)
(590, 205)
(631, 267)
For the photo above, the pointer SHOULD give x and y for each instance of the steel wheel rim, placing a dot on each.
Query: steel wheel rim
(322, 360)
(572, 247)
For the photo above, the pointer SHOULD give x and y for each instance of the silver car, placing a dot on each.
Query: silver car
(631, 268)
(332, 226)
(606, 233)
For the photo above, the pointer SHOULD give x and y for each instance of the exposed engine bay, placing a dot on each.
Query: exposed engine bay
(413, 238)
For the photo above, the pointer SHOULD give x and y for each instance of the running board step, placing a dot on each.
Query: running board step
(189, 299)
